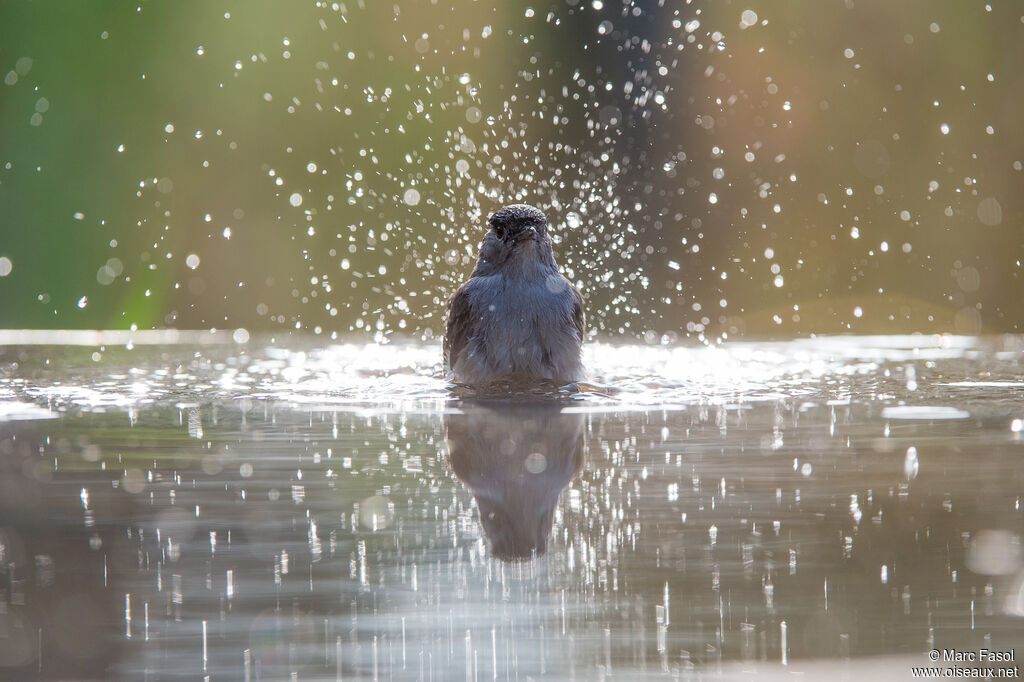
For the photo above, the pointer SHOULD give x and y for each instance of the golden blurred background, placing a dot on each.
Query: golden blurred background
(710, 169)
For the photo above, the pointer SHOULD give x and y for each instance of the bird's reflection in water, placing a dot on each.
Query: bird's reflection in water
(516, 458)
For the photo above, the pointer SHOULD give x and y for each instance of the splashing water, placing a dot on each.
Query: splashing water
(238, 500)
(352, 152)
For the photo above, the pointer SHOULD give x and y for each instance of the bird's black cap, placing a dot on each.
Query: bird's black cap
(518, 214)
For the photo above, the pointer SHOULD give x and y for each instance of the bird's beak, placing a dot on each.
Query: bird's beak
(528, 233)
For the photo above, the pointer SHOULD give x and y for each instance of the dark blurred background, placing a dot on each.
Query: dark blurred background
(709, 169)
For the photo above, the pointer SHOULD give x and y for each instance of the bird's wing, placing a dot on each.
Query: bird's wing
(579, 318)
(458, 327)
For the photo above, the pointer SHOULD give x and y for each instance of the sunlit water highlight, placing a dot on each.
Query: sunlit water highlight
(284, 510)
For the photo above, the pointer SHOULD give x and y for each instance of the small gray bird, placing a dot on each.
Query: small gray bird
(517, 317)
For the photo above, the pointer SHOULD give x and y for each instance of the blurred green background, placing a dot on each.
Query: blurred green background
(710, 169)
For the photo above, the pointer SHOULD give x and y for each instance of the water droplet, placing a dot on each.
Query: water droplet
(536, 463)
(990, 211)
(911, 464)
(295, 199)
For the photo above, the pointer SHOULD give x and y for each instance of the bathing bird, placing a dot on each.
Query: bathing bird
(516, 318)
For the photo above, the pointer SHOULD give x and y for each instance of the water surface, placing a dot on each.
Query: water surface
(289, 510)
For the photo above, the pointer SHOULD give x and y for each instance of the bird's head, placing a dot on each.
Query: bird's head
(519, 232)
(519, 222)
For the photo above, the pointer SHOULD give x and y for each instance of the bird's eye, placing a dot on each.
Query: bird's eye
(499, 230)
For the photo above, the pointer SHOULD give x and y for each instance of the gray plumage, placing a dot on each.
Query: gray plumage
(516, 317)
